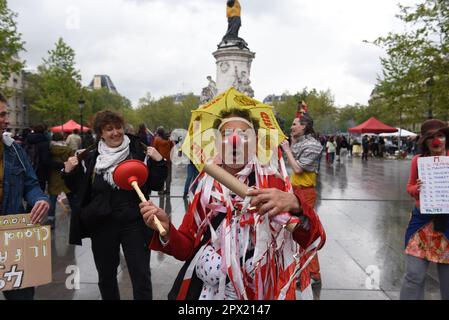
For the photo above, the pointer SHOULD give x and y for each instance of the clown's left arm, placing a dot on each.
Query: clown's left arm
(273, 201)
(311, 229)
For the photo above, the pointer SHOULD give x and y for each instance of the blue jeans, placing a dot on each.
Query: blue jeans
(191, 176)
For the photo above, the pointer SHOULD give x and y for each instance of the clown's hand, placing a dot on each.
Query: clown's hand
(274, 201)
(149, 211)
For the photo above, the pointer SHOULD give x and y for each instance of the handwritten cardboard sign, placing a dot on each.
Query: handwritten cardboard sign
(434, 174)
(25, 253)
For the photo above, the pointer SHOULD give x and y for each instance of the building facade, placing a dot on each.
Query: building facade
(102, 81)
(18, 111)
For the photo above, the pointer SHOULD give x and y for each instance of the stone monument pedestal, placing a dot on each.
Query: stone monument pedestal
(234, 67)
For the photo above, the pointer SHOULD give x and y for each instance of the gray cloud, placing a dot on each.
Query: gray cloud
(165, 46)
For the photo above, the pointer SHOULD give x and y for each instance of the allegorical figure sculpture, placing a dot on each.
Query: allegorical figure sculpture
(212, 86)
(242, 83)
(209, 92)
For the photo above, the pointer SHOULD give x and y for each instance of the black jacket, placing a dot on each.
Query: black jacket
(43, 148)
(91, 210)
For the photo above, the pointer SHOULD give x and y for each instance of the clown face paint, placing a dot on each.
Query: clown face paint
(437, 145)
(236, 137)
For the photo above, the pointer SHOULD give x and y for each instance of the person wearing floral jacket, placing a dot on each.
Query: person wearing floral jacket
(427, 236)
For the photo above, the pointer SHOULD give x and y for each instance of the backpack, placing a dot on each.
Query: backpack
(32, 151)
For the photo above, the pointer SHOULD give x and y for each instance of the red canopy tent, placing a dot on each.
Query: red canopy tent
(68, 127)
(372, 125)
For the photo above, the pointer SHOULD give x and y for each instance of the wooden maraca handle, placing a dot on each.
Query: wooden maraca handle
(158, 224)
(234, 184)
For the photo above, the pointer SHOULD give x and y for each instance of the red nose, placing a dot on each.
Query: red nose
(436, 143)
(234, 139)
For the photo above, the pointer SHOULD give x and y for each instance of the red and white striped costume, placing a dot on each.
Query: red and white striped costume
(255, 258)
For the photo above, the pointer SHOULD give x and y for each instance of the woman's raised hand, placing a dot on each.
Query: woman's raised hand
(285, 145)
(154, 154)
(71, 164)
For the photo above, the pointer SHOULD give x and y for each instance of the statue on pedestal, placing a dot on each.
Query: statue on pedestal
(209, 92)
(231, 38)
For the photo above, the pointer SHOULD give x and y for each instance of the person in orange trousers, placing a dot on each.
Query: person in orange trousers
(302, 156)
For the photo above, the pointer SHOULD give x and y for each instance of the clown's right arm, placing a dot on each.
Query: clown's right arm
(178, 243)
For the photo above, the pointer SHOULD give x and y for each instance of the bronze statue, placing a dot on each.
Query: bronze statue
(234, 21)
(231, 38)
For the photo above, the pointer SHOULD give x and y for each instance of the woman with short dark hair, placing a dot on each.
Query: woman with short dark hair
(109, 215)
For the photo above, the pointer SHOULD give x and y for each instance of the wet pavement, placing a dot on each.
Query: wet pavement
(363, 207)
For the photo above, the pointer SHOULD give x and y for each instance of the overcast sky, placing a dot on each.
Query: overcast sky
(165, 46)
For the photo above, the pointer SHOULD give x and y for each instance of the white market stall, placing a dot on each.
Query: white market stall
(399, 133)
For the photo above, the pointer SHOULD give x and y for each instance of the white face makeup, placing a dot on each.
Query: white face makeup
(236, 137)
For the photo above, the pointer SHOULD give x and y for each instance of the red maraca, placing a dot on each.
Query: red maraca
(132, 174)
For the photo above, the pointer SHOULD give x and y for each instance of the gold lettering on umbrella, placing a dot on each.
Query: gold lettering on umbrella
(245, 101)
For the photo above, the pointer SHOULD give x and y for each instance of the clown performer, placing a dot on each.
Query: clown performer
(303, 156)
(234, 247)
(427, 234)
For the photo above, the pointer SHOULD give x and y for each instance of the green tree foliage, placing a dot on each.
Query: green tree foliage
(166, 112)
(321, 107)
(10, 44)
(101, 99)
(415, 79)
(53, 93)
(350, 116)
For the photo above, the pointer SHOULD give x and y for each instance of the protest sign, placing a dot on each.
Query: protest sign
(434, 174)
(25, 253)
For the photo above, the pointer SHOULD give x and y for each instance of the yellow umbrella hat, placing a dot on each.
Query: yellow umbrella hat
(199, 144)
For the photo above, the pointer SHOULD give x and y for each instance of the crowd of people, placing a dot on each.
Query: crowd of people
(336, 147)
(47, 151)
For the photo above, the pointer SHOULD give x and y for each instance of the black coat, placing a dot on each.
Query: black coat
(42, 143)
(91, 210)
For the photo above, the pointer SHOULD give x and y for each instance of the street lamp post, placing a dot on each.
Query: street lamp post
(81, 106)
